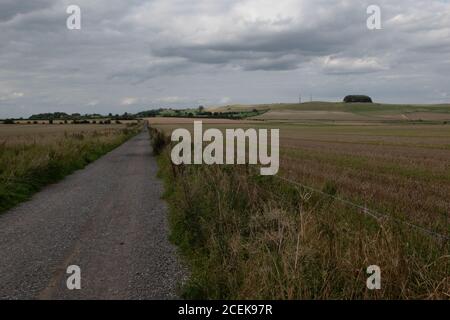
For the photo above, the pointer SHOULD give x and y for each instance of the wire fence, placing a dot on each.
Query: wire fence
(377, 215)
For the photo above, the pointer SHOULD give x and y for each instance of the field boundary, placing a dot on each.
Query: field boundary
(367, 211)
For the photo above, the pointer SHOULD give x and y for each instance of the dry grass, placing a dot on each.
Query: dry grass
(290, 243)
(400, 169)
(33, 156)
(251, 238)
(41, 133)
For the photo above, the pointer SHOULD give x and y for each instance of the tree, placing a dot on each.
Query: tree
(357, 98)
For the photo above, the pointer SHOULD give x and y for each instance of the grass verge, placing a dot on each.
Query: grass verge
(244, 236)
(27, 167)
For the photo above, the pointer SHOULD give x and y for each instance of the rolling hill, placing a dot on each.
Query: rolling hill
(337, 111)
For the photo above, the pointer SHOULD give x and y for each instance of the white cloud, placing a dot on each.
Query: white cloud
(12, 96)
(225, 100)
(172, 99)
(128, 101)
(92, 103)
(336, 65)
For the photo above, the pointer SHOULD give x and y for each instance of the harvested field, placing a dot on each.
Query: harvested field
(379, 196)
(181, 121)
(10, 133)
(402, 170)
(312, 115)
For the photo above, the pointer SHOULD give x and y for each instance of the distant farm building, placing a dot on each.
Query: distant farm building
(357, 98)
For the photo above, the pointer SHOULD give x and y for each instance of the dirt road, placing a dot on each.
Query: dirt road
(108, 219)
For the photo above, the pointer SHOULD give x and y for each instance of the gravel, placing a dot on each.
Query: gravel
(108, 219)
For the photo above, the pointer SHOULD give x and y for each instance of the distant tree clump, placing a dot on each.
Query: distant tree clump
(9, 121)
(358, 98)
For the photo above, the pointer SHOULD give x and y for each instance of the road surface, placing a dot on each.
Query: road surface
(108, 219)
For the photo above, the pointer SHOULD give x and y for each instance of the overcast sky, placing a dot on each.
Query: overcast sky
(133, 55)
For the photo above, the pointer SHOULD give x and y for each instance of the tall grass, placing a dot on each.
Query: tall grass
(250, 237)
(158, 140)
(25, 167)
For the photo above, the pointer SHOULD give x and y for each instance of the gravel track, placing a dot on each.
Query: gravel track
(108, 219)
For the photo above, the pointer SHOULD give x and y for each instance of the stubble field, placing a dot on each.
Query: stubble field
(400, 169)
(399, 172)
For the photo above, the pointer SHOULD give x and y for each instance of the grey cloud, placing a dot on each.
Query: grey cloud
(12, 8)
(156, 50)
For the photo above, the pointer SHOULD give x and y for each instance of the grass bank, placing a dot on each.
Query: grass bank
(26, 165)
(244, 236)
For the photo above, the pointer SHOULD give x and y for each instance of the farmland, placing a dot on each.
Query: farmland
(32, 156)
(354, 112)
(395, 168)
(268, 238)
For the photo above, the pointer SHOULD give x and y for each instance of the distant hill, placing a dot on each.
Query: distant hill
(344, 111)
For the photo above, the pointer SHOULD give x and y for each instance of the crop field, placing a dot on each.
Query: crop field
(398, 171)
(43, 133)
(355, 112)
(32, 156)
(403, 170)
(396, 167)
